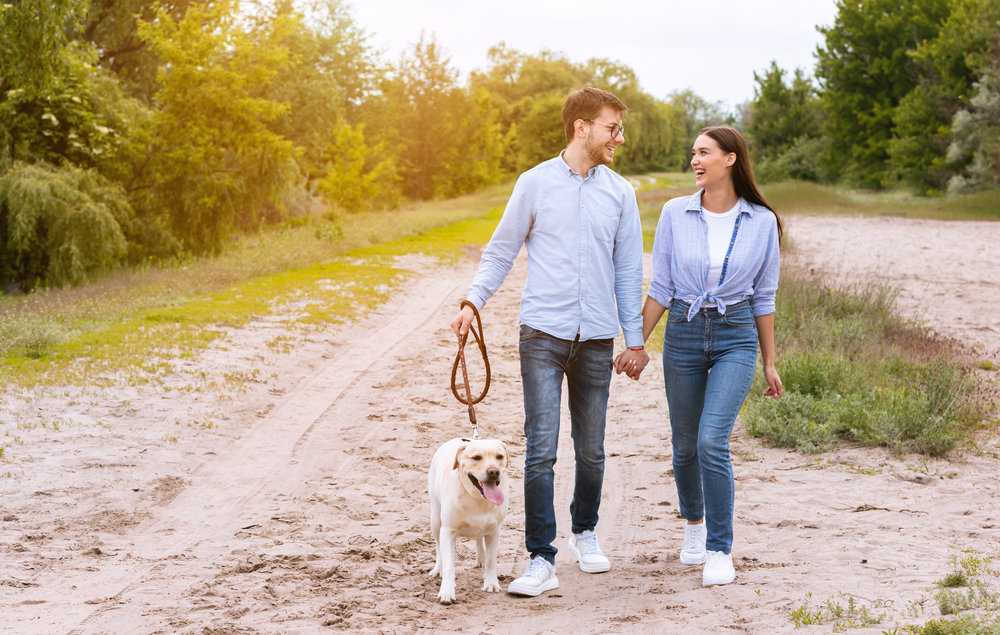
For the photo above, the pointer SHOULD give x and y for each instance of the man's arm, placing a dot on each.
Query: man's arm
(498, 258)
(628, 287)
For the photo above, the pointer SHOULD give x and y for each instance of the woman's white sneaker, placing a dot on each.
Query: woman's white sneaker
(718, 569)
(693, 551)
(540, 577)
(584, 546)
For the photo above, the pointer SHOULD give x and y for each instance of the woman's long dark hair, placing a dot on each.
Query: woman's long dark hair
(730, 140)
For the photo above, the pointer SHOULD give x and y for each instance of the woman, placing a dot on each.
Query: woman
(715, 266)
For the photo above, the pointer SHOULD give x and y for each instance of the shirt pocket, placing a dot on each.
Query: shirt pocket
(604, 222)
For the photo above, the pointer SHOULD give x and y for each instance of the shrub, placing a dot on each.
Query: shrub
(59, 225)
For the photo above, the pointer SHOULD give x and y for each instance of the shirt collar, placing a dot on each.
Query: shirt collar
(694, 204)
(571, 172)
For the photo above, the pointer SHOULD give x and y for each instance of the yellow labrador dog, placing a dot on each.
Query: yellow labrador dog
(468, 488)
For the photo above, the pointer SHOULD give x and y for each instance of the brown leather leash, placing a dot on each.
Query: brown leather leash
(460, 359)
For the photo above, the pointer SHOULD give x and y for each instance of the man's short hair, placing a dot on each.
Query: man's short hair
(587, 103)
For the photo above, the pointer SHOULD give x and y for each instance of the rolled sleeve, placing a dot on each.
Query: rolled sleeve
(766, 281)
(661, 288)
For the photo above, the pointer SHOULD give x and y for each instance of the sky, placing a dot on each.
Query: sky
(712, 47)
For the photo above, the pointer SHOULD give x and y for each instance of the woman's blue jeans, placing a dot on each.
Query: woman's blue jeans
(587, 367)
(708, 366)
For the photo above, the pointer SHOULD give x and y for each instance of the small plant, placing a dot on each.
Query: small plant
(802, 616)
(954, 579)
(985, 365)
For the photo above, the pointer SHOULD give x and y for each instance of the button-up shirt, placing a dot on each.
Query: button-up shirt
(681, 260)
(584, 242)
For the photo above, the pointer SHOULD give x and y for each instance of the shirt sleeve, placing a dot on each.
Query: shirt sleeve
(627, 260)
(765, 283)
(508, 237)
(661, 289)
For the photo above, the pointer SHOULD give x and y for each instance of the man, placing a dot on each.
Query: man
(580, 224)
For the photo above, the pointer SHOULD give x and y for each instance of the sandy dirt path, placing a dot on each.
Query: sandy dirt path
(297, 503)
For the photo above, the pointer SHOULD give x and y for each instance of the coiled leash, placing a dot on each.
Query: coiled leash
(460, 358)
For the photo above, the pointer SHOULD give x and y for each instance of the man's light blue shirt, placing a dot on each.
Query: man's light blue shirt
(681, 259)
(584, 242)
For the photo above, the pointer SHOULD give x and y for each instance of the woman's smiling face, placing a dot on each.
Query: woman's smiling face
(710, 163)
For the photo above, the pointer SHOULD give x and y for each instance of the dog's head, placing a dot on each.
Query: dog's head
(482, 467)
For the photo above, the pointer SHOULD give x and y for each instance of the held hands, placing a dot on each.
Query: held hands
(774, 387)
(462, 321)
(631, 362)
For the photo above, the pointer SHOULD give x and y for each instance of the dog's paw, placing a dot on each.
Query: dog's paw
(446, 595)
(435, 572)
(491, 586)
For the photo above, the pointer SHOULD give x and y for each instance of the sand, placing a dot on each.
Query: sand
(295, 501)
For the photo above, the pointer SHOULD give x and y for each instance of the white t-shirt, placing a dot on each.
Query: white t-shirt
(720, 231)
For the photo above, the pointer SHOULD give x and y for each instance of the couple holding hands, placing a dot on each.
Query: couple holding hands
(715, 272)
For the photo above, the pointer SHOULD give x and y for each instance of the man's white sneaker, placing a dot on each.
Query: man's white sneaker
(693, 551)
(540, 577)
(584, 546)
(718, 569)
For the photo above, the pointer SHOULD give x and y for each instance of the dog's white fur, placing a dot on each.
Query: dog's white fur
(460, 510)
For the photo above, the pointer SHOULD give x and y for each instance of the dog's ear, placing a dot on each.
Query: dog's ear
(506, 455)
(458, 453)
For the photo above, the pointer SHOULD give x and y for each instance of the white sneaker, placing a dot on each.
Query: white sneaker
(718, 569)
(693, 551)
(540, 577)
(584, 546)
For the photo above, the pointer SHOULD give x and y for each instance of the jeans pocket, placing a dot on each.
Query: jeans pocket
(740, 318)
(676, 314)
(527, 333)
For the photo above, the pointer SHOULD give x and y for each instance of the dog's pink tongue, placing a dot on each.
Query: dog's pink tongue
(492, 492)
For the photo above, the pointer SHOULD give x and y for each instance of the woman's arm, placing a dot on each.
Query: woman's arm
(765, 335)
(652, 311)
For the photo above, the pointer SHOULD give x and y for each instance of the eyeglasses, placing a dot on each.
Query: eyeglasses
(616, 128)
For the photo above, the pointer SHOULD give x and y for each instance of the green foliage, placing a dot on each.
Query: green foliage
(919, 141)
(692, 113)
(782, 115)
(803, 161)
(59, 226)
(34, 30)
(976, 134)
(450, 142)
(353, 179)
(852, 368)
(866, 69)
(211, 155)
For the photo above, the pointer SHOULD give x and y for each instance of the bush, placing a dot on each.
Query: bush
(59, 225)
(876, 379)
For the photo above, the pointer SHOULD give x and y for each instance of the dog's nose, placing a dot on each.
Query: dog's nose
(493, 474)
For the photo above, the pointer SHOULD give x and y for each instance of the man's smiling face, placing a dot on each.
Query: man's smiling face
(600, 145)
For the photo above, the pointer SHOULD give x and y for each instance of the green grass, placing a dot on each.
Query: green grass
(130, 327)
(854, 369)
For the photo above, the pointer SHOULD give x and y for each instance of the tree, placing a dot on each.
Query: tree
(692, 114)
(866, 68)
(976, 132)
(449, 140)
(211, 155)
(780, 113)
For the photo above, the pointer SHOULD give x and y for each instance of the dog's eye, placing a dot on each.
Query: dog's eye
(477, 458)
(499, 457)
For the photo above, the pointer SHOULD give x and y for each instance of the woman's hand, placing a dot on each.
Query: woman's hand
(774, 388)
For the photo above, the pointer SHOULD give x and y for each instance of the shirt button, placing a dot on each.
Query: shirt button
(581, 298)
(583, 275)
(584, 253)
(583, 207)
(583, 229)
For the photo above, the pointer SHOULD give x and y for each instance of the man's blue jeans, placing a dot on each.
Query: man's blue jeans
(587, 367)
(708, 366)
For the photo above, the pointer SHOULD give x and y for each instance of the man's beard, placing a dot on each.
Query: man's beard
(595, 153)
